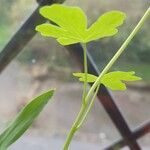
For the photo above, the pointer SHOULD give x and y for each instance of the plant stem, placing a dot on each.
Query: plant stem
(79, 120)
(83, 113)
(84, 106)
(119, 52)
(89, 108)
(85, 72)
(74, 128)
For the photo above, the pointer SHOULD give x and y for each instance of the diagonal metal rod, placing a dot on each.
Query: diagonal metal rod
(106, 99)
(23, 36)
(137, 133)
(27, 32)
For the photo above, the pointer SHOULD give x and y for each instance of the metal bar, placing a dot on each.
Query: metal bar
(142, 130)
(136, 134)
(23, 36)
(105, 98)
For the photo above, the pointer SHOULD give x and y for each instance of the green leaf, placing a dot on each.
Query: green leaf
(90, 78)
(24, 119)
(113, 80)
(71, 24)
(106, 25)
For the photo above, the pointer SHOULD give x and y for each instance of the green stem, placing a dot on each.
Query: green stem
(79, 120)
(85, 72)
(89, 108)
(74, 128)
(83, 113)
(83, 107)
(119, 52)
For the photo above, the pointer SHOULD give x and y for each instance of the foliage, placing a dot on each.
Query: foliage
(69, 27)
(112, 80)
(74, 29)
(24, 120)
(139, 48)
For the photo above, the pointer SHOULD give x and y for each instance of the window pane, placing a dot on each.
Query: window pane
(125, 148)
(134, 102)
(43, 64)
(12, 15)
(145, 142)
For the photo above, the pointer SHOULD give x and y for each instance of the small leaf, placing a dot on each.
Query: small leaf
(113, 80)
(90, 78)
(71, 24)
(24, 119)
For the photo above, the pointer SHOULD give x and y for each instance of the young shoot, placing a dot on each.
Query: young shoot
(68, 25)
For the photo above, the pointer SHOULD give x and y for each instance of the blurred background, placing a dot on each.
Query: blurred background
(44, 64)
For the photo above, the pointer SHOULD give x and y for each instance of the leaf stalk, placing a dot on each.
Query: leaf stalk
(86, 99)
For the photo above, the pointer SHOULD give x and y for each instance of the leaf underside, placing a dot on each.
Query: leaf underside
(71, 24)
(112, 80)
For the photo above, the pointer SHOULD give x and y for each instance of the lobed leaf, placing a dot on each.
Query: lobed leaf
(113, 80)
(71, 24)
(24, 119)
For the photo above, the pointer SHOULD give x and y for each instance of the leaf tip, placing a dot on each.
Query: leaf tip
(50, 92)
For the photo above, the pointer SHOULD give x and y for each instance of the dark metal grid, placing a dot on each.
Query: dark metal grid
(27, 32)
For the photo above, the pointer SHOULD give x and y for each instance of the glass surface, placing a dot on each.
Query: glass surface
(145, 142)
(125, 148)
(134, 103)
(42, 65)
(13, 13)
